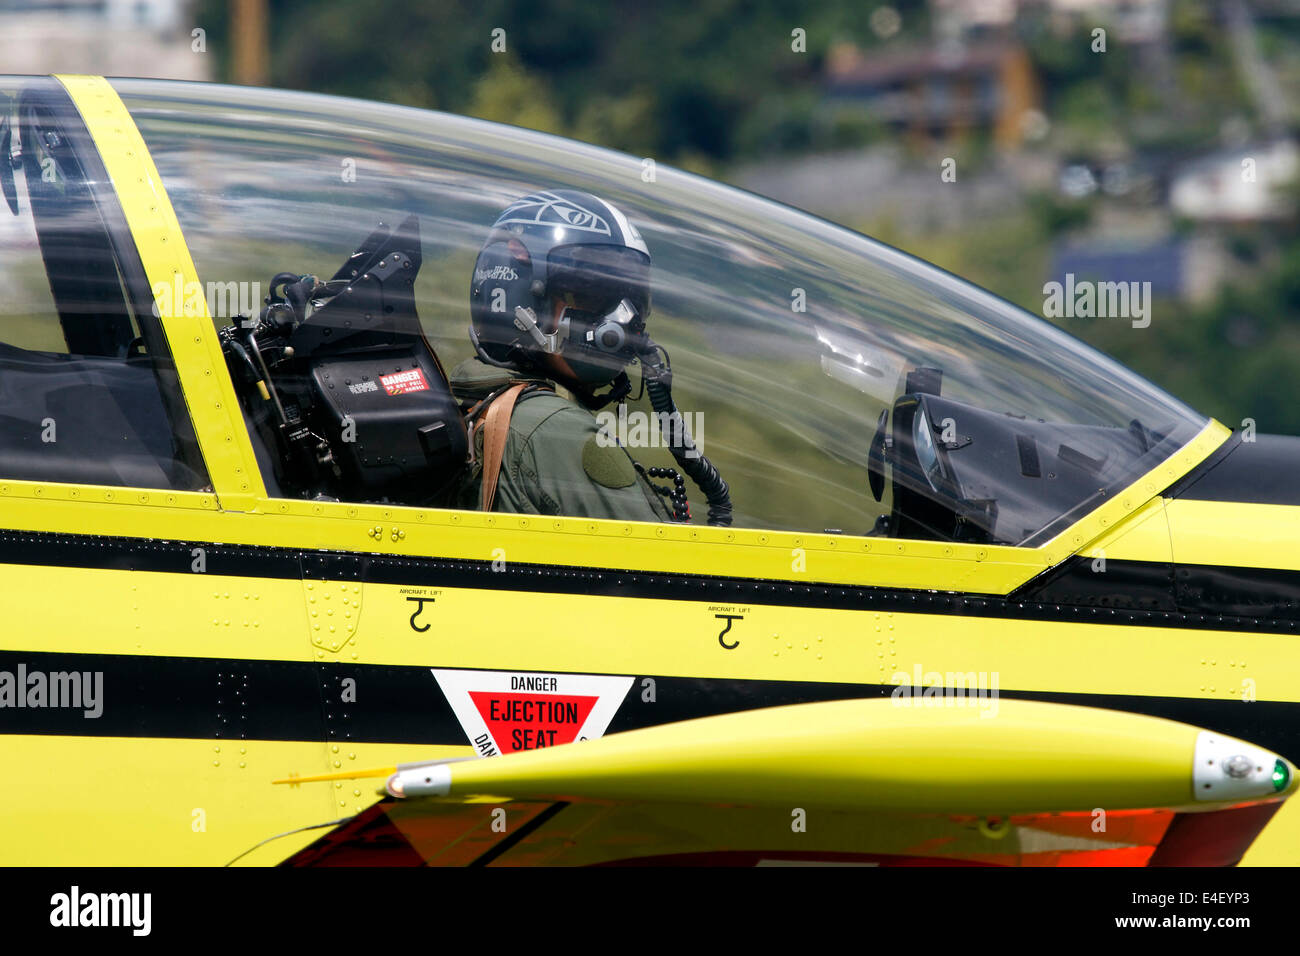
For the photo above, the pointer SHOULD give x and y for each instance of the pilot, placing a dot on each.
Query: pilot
(560, 294)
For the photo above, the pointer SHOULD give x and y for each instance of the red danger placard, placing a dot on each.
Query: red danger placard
(399, 383)
(531, 722)
(505, 712)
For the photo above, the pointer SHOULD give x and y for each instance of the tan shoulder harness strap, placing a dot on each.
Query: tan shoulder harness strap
(496, 429)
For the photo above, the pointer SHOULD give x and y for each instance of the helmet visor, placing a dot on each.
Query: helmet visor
(600, 276)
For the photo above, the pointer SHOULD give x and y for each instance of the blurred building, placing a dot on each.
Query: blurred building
(1183, 269)
(1134, 21)
(150, 38)
(1243, 184)
(941, 93)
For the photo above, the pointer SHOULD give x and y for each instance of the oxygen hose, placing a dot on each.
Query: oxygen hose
(658, 386)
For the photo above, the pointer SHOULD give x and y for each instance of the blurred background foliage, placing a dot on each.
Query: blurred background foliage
(1119, 163)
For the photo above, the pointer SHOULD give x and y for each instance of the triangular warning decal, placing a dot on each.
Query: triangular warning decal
(506, 711)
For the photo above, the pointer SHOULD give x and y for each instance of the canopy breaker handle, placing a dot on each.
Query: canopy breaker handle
(658, 377)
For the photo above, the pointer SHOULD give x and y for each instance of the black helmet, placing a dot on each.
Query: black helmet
(570, 245)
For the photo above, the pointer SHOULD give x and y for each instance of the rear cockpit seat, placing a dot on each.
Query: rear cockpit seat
(86, 420)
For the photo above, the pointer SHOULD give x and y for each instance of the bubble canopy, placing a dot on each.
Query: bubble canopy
(835, 382)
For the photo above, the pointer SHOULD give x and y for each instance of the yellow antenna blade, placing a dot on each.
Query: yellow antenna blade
(346, 775)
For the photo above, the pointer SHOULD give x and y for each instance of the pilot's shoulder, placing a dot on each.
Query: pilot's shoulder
(472, 379)
(542, 414)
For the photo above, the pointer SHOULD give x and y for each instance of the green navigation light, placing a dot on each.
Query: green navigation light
(1281, 776)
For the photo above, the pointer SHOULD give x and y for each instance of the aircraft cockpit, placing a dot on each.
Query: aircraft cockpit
(839, 385)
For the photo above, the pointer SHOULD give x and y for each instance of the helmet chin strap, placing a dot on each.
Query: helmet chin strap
(620, 388)
(482, 353)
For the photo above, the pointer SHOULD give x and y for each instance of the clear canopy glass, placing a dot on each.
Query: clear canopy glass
(788, 336)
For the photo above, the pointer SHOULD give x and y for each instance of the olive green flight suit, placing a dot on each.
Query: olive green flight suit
(553, 463)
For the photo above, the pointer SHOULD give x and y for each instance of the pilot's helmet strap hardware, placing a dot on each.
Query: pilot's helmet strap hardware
(496, 429)
(475, 413)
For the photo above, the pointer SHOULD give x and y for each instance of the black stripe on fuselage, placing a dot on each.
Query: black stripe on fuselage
(1250, 598)
(1128, 592)
(1259, 470)
(199, 697)
(233, 700)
